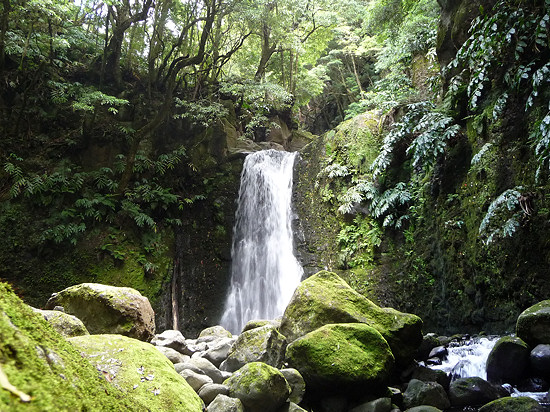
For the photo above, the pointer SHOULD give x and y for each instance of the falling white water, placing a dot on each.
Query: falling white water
(468, 359)
(264, 270)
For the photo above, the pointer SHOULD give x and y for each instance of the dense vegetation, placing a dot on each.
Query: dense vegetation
(116, 121)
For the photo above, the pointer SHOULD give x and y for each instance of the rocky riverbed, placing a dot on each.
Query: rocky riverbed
(333, 350)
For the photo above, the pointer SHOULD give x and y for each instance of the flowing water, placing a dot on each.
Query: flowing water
(467, 359)
(264, 270)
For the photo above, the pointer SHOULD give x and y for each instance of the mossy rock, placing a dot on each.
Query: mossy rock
(508, 360)
(216, 331)
(108, 309)
(264, 344)
(40, 363)
(509, 404)
(533, 324)
(260, 387)
(325, 298)
(140, 371)
(65, 324)
(341, 357)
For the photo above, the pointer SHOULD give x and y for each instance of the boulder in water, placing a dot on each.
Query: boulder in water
(424, 408)
(260, 387)
(140, 371)
(65, 324)
(264, 344)
(508, 360)
(425, 393)
(533, 324)
(108, 309)
(540, 360)
(424, 374)
(472, 391)
(509, 404)
(325, 298)
(342, 357)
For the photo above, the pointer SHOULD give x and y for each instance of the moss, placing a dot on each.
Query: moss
(533, 324)
(342, 354)
(140, 371)
(508, 404)
(325, 298)
(39, 362)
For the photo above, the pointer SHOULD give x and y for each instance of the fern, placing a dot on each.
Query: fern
(505, 207)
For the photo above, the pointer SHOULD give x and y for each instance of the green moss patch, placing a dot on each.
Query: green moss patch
(42, 364)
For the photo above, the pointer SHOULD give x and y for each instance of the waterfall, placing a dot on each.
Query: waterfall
(264, 270)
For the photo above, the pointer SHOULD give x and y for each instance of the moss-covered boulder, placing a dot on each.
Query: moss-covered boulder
(420, 393)
(215, 331)
(509, 404)
(325, 298)
(264, 344)
(67, 325)
(260, 387)
(140, 371)
(40, 371)
(508, 360)
(472, 391)
(108, 309)
(533, 324)
(341, 357)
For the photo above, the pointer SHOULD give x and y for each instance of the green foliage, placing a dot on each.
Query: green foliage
(519, 36)
(358, 242)
(503, 216)
(202, 112)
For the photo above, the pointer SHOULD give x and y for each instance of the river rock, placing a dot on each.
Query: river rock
(223, 403)
(215, 331)
(291, 407)
(253, 324)
(425, 393)
(509, 404)
(424, 408)
(207, 368)
(218, 350)
(471, 391)
(260, 387)
(108, 309)
(424, 374)
(171, 339)
(173, 355)
(325, 298)
(297, 384)
(429, 341)
(140, 371)
(210, 390)
(341, 357)
(377, 405)
(264, 344)
(533, 324)
(508, 360)
(195, 380)
(539, 360)
(65, 324)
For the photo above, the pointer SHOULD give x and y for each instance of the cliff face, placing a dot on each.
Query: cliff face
(442, 265)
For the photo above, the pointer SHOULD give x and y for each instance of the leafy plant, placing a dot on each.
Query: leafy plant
(503, 216)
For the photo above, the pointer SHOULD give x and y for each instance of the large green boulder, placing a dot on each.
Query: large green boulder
(108, 309)
(40, 371)
(533, 324)
(325, 298)
(341, 357)
(140, 371)
(260, 387)
(264, 344)
(509, 404)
